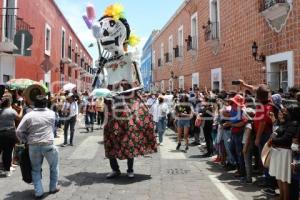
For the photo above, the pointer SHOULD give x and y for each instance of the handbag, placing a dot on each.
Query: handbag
(266, 156)
(25, 165)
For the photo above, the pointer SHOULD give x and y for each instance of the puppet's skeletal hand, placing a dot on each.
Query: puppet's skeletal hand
(96, 30)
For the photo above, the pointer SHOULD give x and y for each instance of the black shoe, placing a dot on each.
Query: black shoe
(269, 191)
(206, 155)
(113, 174)
(195, 143)
(55, 191)
(71, 144)
(186, 148)
(39, 197)
(178, 146)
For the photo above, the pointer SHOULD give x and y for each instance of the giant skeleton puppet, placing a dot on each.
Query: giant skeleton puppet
(129, 129)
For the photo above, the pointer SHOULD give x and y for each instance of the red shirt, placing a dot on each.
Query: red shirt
(262, 115)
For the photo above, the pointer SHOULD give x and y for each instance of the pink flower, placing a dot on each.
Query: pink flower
(141, 111)
(147, 119)
(131, 144)
(151, 126)
(116, 126)
(141, 123)
(131, 122)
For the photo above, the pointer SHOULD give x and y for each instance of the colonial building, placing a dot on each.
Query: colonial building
(214, 42)
(38, 43)
(146, 62)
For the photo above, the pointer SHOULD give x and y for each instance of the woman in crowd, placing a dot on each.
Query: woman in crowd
(100, 112)
(184, 113)
(162, 110)
(8, 139)
(237, 124)
(90, 111)
(281, 154)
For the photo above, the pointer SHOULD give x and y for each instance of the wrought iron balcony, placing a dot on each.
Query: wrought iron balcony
(276, 12)
(211, 31)
(159, 63)
(168, 57)
(192, 42)
(178, 51)
(266, 4)
(12, 24)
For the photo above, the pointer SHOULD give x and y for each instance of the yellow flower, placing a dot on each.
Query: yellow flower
(133, 40)
(115, 10)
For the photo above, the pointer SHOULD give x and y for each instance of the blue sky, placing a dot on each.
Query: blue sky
(143, 16)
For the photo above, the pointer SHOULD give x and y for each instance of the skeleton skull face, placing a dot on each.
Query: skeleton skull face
(111, 33)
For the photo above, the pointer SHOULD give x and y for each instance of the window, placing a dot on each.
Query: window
(48, 40)
(195, 80)
(162, 52)
(9, 20)
(181, 82)
(76, 53)
(70, 48)
(162, 86)
(6, 78)
(214, 19)
(153, 58)
(194, 31)
(180, 41)
(63, 43)
(216, 79)
(284, 77)
(171, 48)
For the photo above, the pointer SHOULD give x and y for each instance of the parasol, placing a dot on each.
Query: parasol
(22, 84)
(69, 87)
(101, 92)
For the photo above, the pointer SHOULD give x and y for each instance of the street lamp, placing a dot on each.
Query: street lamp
(261, 57)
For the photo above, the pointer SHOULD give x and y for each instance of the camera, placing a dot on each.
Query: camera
(236, 82)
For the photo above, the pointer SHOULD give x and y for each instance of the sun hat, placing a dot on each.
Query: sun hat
(239, 100)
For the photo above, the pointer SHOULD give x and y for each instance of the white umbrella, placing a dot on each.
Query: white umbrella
(69, 87)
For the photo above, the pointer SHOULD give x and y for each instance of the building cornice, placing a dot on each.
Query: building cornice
(182, 6)
(70, 27)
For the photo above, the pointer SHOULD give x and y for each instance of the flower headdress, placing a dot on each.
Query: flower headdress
(116, 11)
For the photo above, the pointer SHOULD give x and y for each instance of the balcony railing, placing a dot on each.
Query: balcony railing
(192, 43)
(178, 51)
(168, 57)
(159, 62)
(11, 24)
(212, 31)
(266, 4)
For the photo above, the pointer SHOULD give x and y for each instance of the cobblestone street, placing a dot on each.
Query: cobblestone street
(167, 174)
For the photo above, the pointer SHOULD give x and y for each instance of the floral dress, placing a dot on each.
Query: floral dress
(129, 131)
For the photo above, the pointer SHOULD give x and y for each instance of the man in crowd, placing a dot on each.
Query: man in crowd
(36, 129)
(70, 110)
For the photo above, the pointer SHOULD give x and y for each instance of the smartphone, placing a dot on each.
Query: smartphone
(236, 82)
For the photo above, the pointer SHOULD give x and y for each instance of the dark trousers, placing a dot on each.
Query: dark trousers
(294, 189)
(208, 139)
(100, 118)
(6, 147)
(115, 166)
(70, 122)
(237, 139)
(89, 120)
